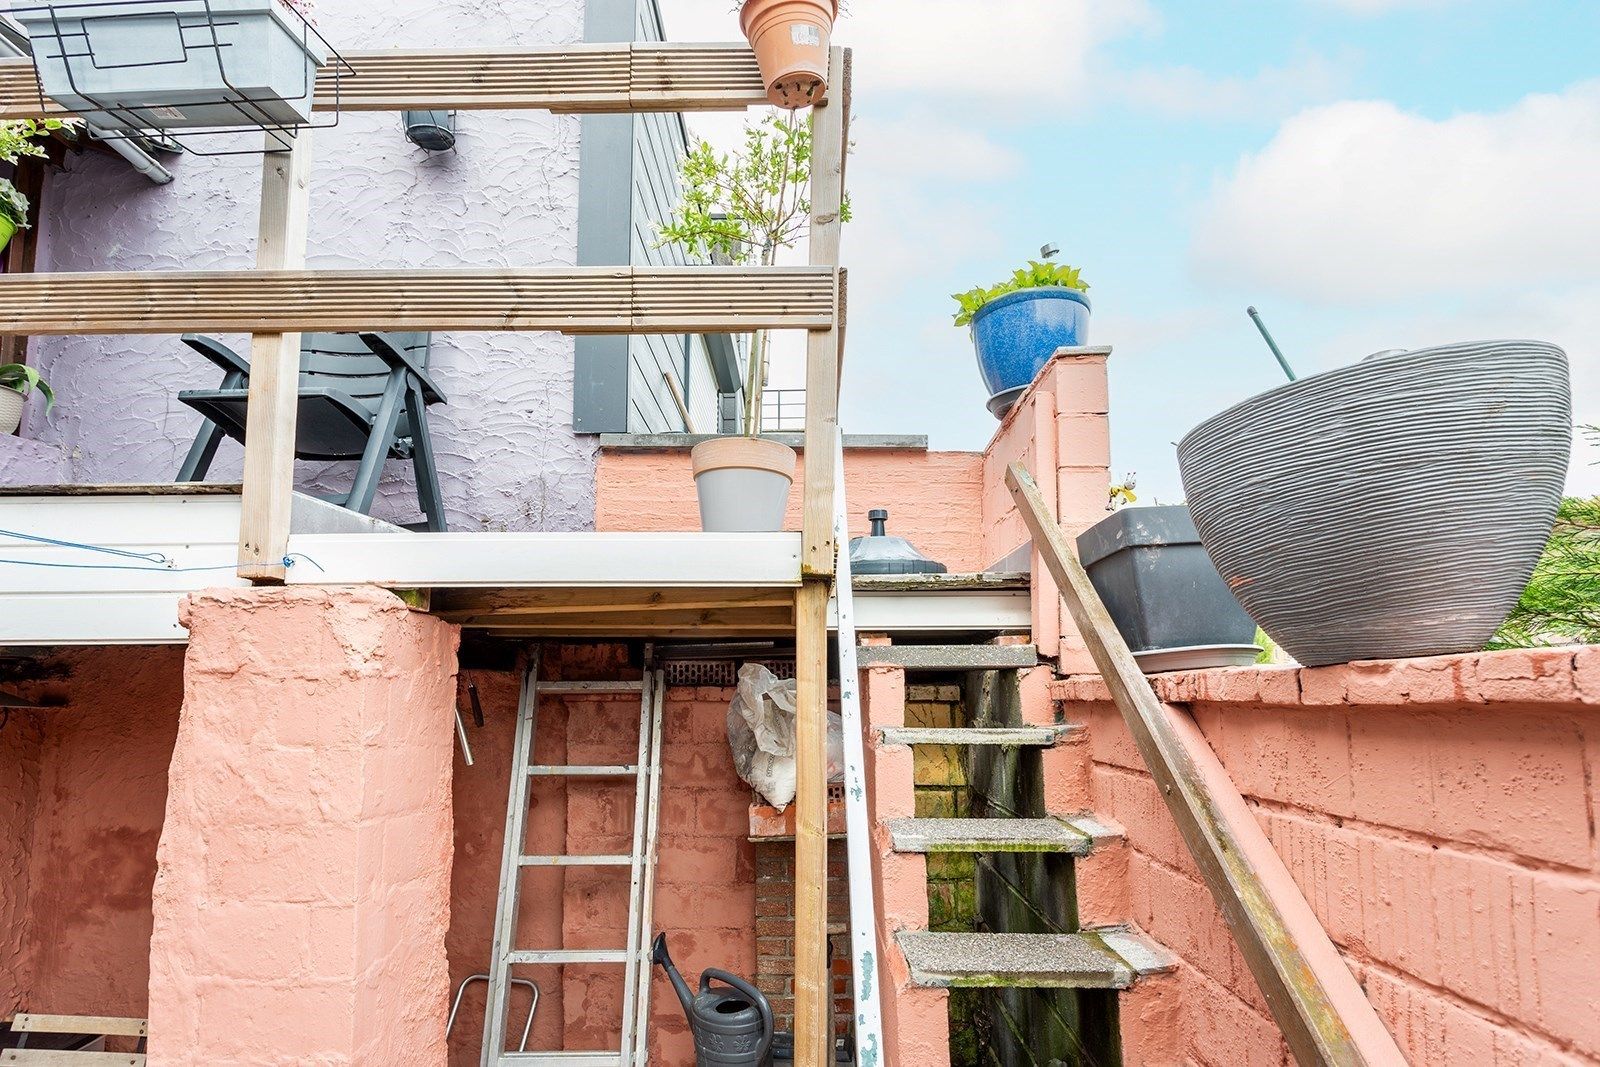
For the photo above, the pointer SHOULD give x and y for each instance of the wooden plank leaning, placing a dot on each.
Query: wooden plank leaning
(1314, 999)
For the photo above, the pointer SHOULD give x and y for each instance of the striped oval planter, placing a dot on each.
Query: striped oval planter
(1391, 508)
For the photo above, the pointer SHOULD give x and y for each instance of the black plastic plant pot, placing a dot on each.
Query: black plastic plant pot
(1392, 508)
(1164, 593)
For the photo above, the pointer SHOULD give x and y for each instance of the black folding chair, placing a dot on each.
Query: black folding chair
(363, 397)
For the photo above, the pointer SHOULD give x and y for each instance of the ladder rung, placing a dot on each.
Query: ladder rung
(591, 687)
(627, 770)
(567, 955)
(560, 1059)
(576, 861)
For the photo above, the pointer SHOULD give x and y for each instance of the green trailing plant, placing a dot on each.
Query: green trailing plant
(19, 139)
(743, 207)
(1036, 275)
(21, 378)
(1561, 604)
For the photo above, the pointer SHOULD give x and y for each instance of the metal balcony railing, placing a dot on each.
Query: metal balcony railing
(783, 411)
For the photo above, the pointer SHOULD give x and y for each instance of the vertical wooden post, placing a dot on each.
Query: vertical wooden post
(830, 144)
(813, 988)
(274, 371)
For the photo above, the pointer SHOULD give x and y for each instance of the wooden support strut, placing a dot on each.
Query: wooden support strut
(274, 373)
(1316, 1002)
(813, 989)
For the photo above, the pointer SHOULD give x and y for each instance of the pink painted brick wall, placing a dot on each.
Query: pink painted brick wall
(706, 878)
(1060, 430)
(931, 496)
(1438, 814)
(302, 888)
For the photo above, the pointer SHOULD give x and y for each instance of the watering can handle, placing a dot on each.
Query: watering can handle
(756, 997)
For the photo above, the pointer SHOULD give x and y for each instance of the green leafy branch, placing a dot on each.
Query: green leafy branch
(21, 378)
(20, 139)
(743, 206)
(1561, 604)
(1035, 275)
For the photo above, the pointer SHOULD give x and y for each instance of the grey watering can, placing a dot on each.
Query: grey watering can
(732, 1027)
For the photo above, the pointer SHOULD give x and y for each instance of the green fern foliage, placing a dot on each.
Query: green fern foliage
(1561, 605)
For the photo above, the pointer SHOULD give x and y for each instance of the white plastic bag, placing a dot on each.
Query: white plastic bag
(761, 733)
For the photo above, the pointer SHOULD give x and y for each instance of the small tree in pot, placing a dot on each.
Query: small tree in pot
(743, 207)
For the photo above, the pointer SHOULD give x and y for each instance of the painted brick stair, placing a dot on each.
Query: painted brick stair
(1002, 736)
(1032, 834)
(1096, 959)
(988, 835)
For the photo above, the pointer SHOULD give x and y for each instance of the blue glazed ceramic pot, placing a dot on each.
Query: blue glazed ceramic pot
(1016, 335)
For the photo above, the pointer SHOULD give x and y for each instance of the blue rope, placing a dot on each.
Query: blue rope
(148, 557)
(164, 563)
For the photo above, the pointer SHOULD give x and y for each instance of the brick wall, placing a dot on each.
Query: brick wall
(706, 878)
(1440, 817)
(775, 931)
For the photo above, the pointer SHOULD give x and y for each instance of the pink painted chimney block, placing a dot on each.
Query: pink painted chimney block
(303, 883)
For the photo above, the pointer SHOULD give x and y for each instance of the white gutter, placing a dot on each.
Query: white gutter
(858, 817)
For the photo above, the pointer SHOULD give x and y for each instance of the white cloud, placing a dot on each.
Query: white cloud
(1382, 7)
(1027, 54)
(1273, 92)
(1361, 200)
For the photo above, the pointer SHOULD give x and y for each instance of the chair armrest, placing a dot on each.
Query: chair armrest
(399, 357)
(218, 353)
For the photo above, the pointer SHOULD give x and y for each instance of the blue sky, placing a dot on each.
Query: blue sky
(1371, 173)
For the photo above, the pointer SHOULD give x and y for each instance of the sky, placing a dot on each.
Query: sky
(1371, 174)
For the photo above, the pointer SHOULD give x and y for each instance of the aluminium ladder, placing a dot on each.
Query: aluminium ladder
(634, 956)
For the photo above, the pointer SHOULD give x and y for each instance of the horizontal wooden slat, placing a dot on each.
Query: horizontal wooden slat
(486, 606)
(96, 1025)
(43, 1057)
(573, 300)
(568, 78)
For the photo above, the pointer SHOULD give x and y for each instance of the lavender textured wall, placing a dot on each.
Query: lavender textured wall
(508, 196)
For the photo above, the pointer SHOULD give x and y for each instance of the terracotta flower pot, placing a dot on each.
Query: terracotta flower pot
(743, 484)
(791, 38)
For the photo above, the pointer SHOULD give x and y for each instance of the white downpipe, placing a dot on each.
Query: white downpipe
(858, 816)
(138, 158)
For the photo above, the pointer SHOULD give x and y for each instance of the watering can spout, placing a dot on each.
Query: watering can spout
(660, 956)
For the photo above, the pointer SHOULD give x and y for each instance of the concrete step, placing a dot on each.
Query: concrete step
(949, 657)
(1093, 959)
(1003, 736)
(988, 835)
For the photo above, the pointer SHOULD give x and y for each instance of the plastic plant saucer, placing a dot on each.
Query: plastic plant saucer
(1001, 402)
(1196, 657)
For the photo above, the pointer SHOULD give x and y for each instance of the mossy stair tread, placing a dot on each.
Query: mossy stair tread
(1004, 736)
(1031, 961)
(988, 835)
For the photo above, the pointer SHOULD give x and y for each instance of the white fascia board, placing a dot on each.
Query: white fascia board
(547, 560)
(974, 611)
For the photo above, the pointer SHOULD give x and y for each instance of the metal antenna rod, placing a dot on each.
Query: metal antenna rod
(1276, 351)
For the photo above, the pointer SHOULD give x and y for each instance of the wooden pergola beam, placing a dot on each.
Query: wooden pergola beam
(592, 79)
(621, 300)
(813, 987)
